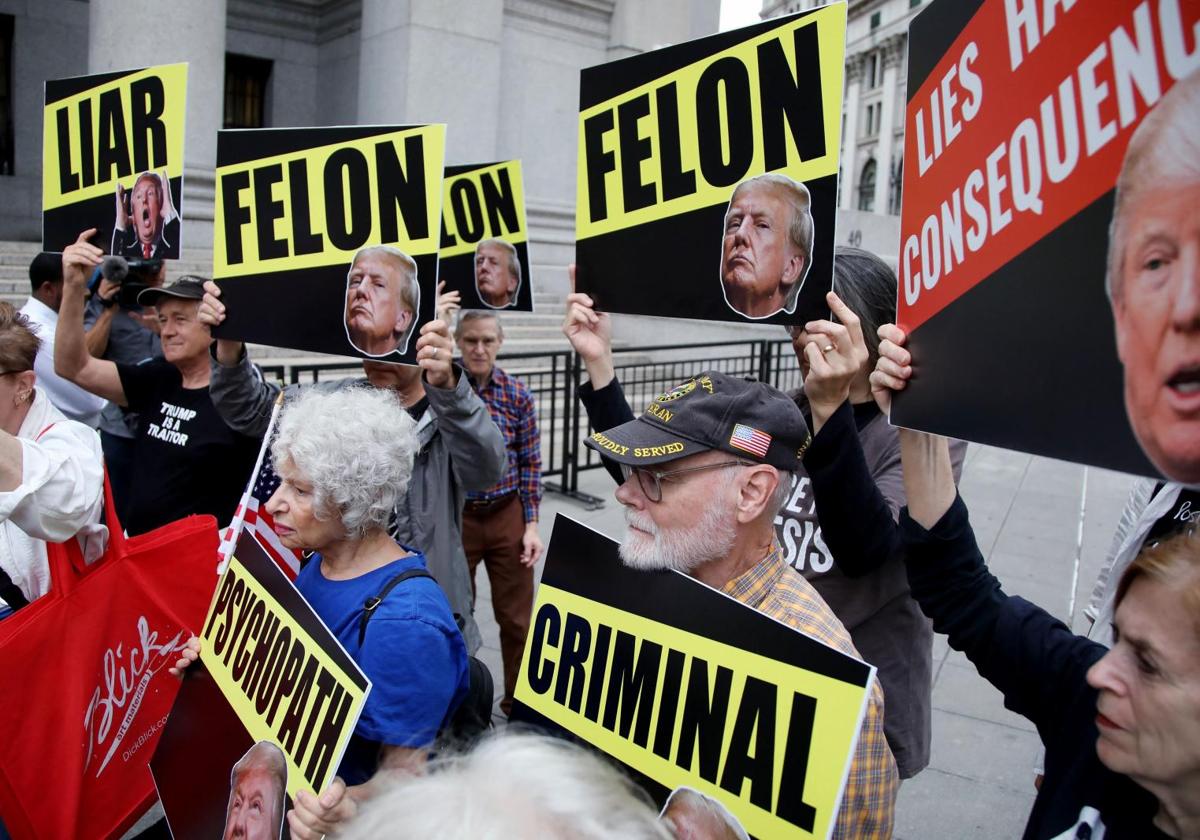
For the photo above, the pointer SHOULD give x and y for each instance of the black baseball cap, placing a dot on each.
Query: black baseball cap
(744, 417)
(186, 288)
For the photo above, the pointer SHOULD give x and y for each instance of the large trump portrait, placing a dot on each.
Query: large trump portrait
(1154, 281)
(767, 245)
(382, 299)
(257, 794)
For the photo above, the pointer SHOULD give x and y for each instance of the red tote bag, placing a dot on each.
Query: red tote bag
(86, 687)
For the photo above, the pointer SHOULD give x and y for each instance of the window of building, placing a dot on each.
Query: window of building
(876, 18)
(866, 187)
(872, 121)
(912, 4)
(873, 71)
(245, 91)
(896, 189)
(6, 95)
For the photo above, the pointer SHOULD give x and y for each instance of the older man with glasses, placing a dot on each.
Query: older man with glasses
(706, 469)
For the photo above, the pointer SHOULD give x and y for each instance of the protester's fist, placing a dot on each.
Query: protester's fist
(894, 368)
(121, 220)
(79, 259)
(835, 354)
(448, 303)
(531, 545)
(189, 654)
(435, 354)
(314, 817)
(212, 311)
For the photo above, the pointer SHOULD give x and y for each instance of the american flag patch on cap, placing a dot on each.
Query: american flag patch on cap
(750, 440)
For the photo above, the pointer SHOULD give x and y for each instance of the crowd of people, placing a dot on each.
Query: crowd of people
(398, 485)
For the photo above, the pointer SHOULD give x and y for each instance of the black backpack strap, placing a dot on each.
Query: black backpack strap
(375, 600)
(11, 593)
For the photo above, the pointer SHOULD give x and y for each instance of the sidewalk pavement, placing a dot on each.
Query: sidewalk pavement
(1027, 514)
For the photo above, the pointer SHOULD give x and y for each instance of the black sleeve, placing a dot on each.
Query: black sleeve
(855, 518)
(1029, 655)
(606, 408)
(144, 383)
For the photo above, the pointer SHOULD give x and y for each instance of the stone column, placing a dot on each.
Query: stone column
(854, 71)
(124, 34)
(424, 61)
(893, 51)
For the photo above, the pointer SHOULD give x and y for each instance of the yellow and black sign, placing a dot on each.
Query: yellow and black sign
(666, 137)
(297, 210)
(112, 159)
(688, 687)
(484, 248)
(271, 672)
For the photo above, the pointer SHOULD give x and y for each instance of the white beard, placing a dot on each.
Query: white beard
(677, 549)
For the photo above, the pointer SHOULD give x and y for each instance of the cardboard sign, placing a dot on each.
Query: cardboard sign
(112, 159)
(270, 674)
(689, 688)
(676, 214)
(485, 254)
(326, 239)
(1049, 310)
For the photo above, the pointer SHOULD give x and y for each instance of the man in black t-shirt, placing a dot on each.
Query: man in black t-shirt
(186, 459)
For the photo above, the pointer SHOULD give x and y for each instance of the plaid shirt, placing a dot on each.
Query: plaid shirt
(869, 800)
(512, 409)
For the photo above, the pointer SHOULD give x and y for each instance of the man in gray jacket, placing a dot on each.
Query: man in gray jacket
(461, 448)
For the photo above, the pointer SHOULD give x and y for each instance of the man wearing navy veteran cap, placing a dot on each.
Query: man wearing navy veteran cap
(707, 467)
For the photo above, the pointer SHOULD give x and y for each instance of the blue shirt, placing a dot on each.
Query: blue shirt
(413, 653)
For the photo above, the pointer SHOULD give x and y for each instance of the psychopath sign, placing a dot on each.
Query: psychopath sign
(326, 239)
(707, 174)
(690, 688)
(1043, 235)
(112, 159)
(273, 687)
(485, 251)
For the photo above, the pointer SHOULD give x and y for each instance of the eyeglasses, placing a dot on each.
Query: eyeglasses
(651, 480)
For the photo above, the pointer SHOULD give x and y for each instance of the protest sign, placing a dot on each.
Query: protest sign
(485, 253)
(687, 687)
(1014, 237)
(673, 216)
(270, 674)
(326, 239)
(112, 159)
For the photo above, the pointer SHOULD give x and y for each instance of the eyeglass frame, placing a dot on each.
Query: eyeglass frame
(658, 475)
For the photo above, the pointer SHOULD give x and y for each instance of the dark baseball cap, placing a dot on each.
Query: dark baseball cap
(186, 288)
(744, 417)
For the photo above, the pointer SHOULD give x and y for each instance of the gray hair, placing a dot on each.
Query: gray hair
(356, 445)
(783, 491)
(1165, 149)
(867, 285)
(800, 229)
(513, 785)
(469, 315)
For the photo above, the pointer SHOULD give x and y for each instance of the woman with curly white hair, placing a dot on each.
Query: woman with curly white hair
(343, 458)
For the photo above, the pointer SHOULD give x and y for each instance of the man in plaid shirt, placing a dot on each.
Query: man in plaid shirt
(706, 468)
(500, 524)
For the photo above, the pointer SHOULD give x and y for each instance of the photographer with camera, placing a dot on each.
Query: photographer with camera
(118, 330)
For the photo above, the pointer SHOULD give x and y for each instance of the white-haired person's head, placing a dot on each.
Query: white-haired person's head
(513, 785)
(352, 450)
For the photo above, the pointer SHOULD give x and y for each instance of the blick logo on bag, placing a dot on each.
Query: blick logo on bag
(123, 687)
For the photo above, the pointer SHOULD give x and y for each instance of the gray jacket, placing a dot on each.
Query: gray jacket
(461, 449)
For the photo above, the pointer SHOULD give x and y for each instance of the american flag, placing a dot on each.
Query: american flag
(252, 512)
(750, 440)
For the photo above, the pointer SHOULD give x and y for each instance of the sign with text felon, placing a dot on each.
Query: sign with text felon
(707, 174)
(326, 239)
(687, 687)
(485, 238)
(271, 679)
(1039, 263)
(112, 159)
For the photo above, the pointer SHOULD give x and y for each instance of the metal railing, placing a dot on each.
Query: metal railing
(554, 378)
